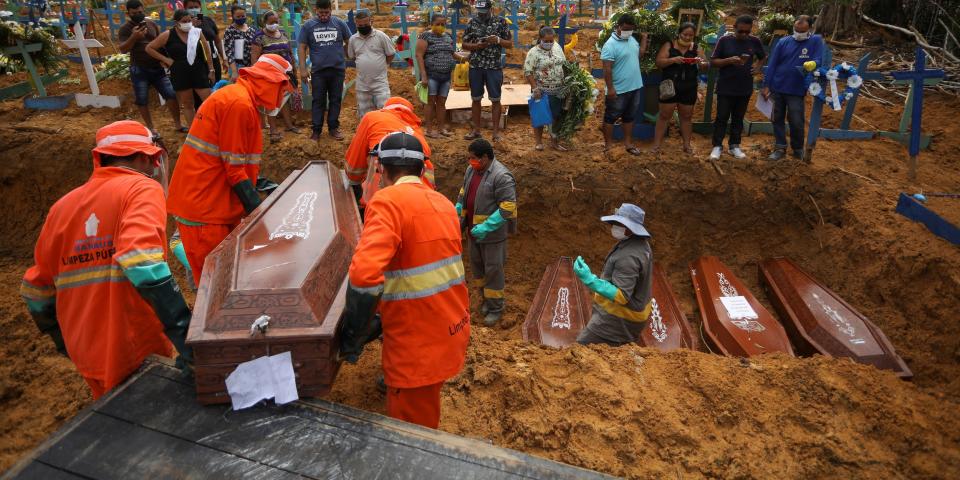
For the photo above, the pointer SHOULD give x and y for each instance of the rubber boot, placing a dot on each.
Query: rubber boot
(492, 318)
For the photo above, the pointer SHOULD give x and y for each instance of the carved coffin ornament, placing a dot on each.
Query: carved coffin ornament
(819, 321)
(732, 317)
(667, 328)
(288, 260)
(560, 308)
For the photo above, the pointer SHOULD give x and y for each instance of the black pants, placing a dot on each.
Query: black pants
(327, 90)
(730, 108)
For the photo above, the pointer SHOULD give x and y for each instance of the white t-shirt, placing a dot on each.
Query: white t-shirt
(371, 53)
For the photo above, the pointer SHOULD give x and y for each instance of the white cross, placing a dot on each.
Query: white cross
(83, 99)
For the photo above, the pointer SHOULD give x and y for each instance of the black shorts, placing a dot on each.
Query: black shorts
(187, 77)
(684, 94)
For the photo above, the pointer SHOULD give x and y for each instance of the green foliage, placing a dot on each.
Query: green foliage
(47, 58)
(771, 22)
(580, 94)
(116, 66)
(709, 8)
(659, 27)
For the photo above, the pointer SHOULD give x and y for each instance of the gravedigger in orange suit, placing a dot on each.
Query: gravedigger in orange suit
(397, 115)
(213, 181)
(100, 286)
(408, 261)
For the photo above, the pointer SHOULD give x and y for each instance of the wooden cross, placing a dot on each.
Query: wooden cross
(545, 13)
(813, 131)
(455, 24)
(351, 22)
(25, 51)
(295, 20)
(513, 8)
(562, 29)
(844, 132)
(94, 99)
(917, 76)
(706, 125)
(111, 10)
(402, 24)
(684, 13)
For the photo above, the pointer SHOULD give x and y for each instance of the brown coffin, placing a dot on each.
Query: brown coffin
(740, 337)
(560, 309)
(288, 260)
(667, 328)
(819, 321)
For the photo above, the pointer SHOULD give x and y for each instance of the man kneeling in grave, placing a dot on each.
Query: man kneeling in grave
(621, 300)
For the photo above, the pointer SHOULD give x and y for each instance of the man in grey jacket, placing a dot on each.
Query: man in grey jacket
(487, 206)
(621, 301)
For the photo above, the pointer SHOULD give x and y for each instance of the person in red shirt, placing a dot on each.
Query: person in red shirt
(100, 286)
(213, 182)
(408, 262)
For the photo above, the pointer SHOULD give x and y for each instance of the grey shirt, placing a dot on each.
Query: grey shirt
(497, 191)
(629, 266)
(371, 54)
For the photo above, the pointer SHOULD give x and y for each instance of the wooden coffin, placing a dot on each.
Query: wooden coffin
(742, 327)
(668, 328)
(819, 321)
(287, 260)
(560, 308)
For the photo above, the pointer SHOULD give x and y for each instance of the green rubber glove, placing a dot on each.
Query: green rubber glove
(596, 284)
(492, 223)
(459, 208)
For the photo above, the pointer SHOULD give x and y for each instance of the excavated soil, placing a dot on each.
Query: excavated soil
(627, 411)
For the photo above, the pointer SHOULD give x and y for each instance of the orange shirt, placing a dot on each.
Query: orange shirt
(372, 128)
(91, 238)
(411, 248)
(222, 149)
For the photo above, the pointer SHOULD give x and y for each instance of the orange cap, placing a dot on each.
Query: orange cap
(124, 138)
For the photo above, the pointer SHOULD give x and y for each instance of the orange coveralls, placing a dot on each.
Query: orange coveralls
(397, 115)
(411, 248)
(223, 148)
(97, 242)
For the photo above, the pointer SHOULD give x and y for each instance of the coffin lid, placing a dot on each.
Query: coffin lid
(667, 328)
(742, 337)
(560, 308)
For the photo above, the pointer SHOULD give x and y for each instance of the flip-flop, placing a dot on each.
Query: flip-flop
(293, 130)
(472, 136)
(634, 151)
(539, 147)
(446, 133)
(559, 148)
(431, 134)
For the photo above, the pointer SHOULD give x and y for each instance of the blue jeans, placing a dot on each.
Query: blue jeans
(483, 77)
(789, 107)
(327, 90)
(438, 85)
(144, 78)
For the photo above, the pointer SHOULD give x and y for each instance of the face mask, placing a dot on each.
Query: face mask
(272, 27)
(276, 111)
(684, 43)
(483, 15)
(240, 21)
(185, 27)
(619, 232)
(137, 17)
(625, 34)
(365, 30)
(546, 45)
(193, 11)
(800, 36)
(438, 29)
(475, 164)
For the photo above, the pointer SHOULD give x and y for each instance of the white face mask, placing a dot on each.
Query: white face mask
(185, 27)
(625, 34)
(618, 231)
(801, 36)
(272, 27)
(546, 45)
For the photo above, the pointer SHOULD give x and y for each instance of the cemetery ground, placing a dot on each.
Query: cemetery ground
(627, 411)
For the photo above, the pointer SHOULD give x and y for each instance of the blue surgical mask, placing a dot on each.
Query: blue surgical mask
(546, 45)
(193, 11)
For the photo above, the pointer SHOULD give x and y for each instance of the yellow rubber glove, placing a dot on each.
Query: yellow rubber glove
(810, 66)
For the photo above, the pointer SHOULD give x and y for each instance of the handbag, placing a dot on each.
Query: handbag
(461, 76)
(667, 89)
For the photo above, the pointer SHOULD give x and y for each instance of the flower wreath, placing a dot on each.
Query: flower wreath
(844, 72)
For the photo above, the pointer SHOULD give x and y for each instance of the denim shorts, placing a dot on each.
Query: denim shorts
(143, 78)
(483, 77)
(438, 85)
(624, 107)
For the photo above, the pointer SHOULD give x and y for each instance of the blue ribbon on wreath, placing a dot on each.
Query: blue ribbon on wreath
(844, 71)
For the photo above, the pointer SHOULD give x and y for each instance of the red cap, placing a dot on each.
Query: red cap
(124, 138)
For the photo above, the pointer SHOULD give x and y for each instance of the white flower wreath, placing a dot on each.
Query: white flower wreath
(832, 74)
(854, 81)
(814, 89)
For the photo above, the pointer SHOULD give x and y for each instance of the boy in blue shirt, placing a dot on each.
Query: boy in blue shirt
(784, 80)
(621, 72)
(326, 38)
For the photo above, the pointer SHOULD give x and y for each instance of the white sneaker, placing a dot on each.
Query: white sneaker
(715, 153)
(737, 153)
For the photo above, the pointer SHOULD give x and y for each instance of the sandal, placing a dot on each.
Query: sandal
(558, 147)
(446, 133)
(431, 134)
(688, 150)
(293, 130)
(633, 151)
(275, 137)
(473, 135)
(539, 147)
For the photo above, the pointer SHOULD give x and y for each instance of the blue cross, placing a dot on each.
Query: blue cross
(852, 103)
(513, 8)
(816, 113)
(455, 24)
(111, 10)
(403, 19)
(917, 76)
(351, 23)
(562, 30)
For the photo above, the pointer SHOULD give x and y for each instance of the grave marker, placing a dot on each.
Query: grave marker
(454, 25)
(512, 13)
(844, 132)
(25, 51)
(562, 30)
(813, 130)
(918, 77)
(111, 10)
(692, 15)
(94, 99)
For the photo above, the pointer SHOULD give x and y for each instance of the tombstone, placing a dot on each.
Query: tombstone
(734, 321)
(560, 308)
(820, 322)
(309, 227)
(93, 99)
(918, 78)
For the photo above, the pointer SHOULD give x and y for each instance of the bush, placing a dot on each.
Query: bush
(660, 28)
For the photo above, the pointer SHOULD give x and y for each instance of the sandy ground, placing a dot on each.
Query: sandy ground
(629, 411)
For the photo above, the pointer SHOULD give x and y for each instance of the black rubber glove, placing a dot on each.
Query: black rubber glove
(247, 194)
(46, 321)
(170, 307)
(357, 192)
(359, 324)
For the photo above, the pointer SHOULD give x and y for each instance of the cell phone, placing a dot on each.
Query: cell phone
(200, 16)
(690, 60)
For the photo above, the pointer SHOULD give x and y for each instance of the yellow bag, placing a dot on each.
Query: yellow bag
(461, 76)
